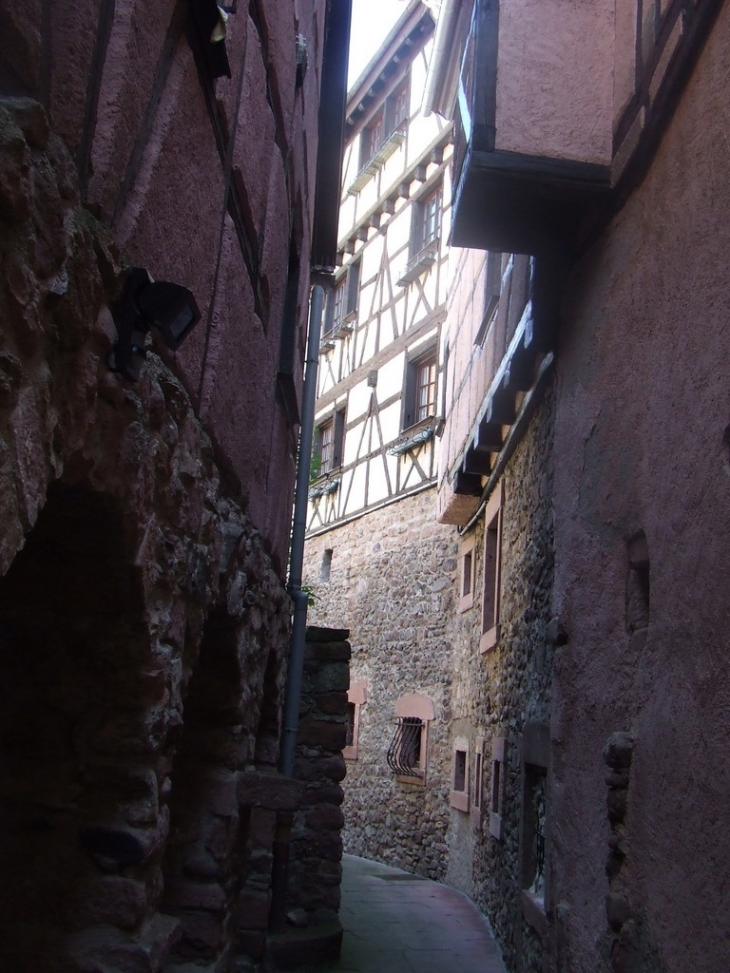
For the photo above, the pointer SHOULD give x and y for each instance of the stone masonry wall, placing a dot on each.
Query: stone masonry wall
(144, 627)
(316, 870)
(499, 692)
(391, 582)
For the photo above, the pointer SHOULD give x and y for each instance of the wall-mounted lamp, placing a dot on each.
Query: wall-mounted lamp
(146, 303)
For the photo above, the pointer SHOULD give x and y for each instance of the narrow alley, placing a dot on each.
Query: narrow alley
(395, 922)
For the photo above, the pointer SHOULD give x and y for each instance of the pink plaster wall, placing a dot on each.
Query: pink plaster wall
(642, 443)
(172, 218)
(550, 101)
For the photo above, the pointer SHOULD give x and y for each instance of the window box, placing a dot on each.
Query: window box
(419, 263)
(389, 146)
(323, 488)
(416, 436)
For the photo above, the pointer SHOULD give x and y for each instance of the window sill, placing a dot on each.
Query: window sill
(466, 602)
(460, 801)
(533, 911)
(418, 781)
(415, 435)
(495, 825)
(489, 639)
(377, 160)
(349, 753)
(323, 487)
(419, 263)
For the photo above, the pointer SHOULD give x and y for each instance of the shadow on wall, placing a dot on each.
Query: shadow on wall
(74, 652)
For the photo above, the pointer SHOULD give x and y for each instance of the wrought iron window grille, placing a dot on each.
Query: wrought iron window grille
(404, 752)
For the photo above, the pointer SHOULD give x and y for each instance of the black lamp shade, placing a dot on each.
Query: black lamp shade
(171, 309)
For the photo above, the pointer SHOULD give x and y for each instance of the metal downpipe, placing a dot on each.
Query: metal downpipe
(293, 690)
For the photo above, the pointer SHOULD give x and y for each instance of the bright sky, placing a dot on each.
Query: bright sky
(371, 21)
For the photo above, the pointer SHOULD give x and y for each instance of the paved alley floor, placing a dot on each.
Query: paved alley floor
(396, 922)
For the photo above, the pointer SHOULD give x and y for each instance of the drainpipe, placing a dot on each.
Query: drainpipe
(293, 690)
(295, 670)
(442, 46)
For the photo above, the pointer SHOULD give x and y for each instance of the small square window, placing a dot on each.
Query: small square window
(459, 798)
(408, 750)
(492, 570)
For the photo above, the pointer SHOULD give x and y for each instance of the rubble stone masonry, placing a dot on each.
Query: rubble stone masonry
(143, 624)
(392, 583)
(498, 693)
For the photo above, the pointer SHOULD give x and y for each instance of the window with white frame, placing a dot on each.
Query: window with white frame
(427, 220)
(421, 388)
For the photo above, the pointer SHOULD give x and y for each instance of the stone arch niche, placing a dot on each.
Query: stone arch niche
(204, 860)
(80, 818)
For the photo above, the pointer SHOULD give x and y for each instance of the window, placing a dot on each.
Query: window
(496, 801)
(535, 748)
(492, 566)
(492, 290)
(477, 791)
(423, 251)
(326, 433)
(330, 443)
(396, 108)
(343, 301)
(408, 750)
(460, 781)
(419, 400)
(467, 563)
(326, 566)
(389, 121)
(356, 698)
(427, 221)
(372, 138)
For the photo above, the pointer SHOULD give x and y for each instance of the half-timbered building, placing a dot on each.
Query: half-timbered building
(377, 560)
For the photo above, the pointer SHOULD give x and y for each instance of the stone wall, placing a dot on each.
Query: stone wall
(144, 626)
(317, 843)
(392, 583)
(499, 692)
